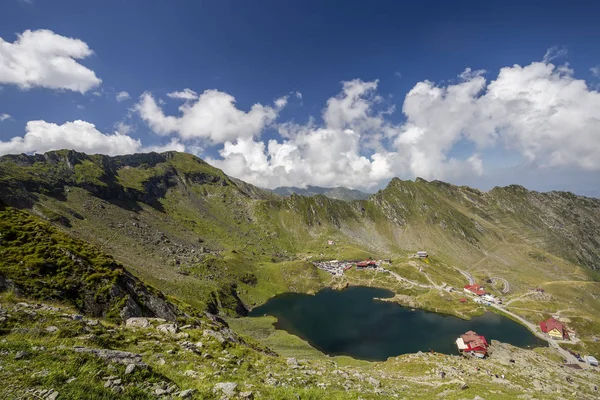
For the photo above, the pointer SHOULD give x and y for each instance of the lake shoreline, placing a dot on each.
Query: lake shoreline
(362, 323)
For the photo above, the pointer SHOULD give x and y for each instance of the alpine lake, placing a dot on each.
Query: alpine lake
(353, 322)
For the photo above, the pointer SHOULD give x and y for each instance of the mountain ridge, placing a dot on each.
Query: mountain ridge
(213, 243)
(338, 192)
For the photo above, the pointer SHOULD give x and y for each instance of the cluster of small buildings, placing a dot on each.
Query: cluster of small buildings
(367, 264)
(483, 297)
(336, 267)
(473, 344)
(475, 289)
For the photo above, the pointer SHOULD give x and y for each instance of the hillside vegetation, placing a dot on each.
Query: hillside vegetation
(169, 236)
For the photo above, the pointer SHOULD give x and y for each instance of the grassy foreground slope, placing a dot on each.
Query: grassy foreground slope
(48, 350)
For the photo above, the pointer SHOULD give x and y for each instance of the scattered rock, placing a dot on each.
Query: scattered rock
(137, 322)
(53, 395)
(187, 393)
(167, 329)
(373, 381)
(51, 329)
(115, 356)
(43, 373)
(21, 354)
(292, 362)
(130, 368)
(214, 334)
(228, 388)
(247, 395)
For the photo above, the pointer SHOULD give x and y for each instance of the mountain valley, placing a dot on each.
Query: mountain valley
(90, 244)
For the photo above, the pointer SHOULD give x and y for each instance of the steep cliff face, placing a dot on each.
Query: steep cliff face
(39, 261)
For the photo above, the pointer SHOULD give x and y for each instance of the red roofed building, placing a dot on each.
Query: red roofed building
(554, 329)
(473, 343)
(475, 289)
(362, 264)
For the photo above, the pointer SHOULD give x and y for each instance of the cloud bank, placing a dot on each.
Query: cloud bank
(43, 58)
(42, 136)
(540, 113)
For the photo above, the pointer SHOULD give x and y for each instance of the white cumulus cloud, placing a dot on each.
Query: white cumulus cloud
(42, 58)
(539, 111)
(122, 96)
(185, 94)
(42, 136)
(328, 154)
(213, 116)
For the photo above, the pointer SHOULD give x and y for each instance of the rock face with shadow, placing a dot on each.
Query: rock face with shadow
(39, 261)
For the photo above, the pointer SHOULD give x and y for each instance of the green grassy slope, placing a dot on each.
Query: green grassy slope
(212, 242)
(208, 239)
(39, 261)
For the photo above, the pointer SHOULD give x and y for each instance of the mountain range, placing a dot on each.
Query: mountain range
(169, 236)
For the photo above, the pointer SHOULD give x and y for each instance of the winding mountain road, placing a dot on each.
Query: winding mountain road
(467, 275)
(505, 282)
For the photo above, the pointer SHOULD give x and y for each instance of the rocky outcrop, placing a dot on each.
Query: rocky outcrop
(72, 270)
(9, 285)
(114, 356)
(127, 297)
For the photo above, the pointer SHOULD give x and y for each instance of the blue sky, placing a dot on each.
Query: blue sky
(350, 94)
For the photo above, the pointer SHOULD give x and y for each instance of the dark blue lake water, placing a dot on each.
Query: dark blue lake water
(353, 323)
